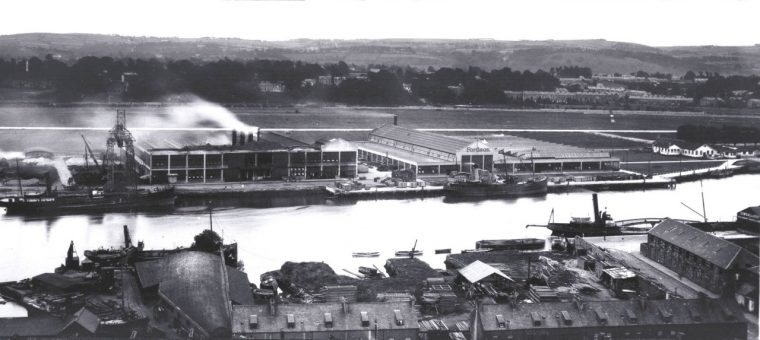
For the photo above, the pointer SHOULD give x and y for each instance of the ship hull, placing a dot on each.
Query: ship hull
(82, 203)
(591, 230)
(469, 189)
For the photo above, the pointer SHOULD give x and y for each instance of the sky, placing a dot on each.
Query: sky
(649, 22)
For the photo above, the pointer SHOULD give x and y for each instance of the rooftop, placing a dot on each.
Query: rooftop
(33, 326)
(404, 155)
(477, 271)
(713, 249)
(195, 282)
(425, 139)
(609, 313)
(313, 317)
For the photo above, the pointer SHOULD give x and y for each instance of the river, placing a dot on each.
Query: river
(320, 230)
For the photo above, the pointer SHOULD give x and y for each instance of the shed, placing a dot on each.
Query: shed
(480, 272)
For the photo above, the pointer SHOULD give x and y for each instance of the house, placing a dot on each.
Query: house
(668, 147)
(271, 87)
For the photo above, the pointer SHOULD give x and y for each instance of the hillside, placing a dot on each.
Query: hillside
(601, 55)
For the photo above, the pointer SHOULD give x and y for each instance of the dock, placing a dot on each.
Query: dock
(430, 190)
(655, 182)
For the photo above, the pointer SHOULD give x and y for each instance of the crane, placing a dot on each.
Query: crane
(120, 178)
(92, 154)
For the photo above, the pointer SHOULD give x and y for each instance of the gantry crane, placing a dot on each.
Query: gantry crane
(120, 178)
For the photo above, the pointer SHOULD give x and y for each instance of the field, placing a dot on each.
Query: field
(211, 115)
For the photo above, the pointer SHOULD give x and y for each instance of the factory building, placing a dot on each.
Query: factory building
(264, 156)
(428, 153)
(325, 321)
(710, 261)
(706, 319)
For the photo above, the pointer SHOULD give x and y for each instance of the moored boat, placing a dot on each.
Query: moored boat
(514, 244)
(482, 183)
(366, 254)
(90, 201)
(408, 253)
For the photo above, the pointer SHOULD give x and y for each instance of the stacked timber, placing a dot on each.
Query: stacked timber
(337, 293)
(542, 294)
(394, 297)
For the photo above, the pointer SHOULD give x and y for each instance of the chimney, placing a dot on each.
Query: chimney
(250, 137)
(242, 138)
(272, 307)
(395, 119)
(127, 238)
(597, 220)
(234, 137)
(258, 135)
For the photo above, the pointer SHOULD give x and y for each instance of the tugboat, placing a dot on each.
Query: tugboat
(119, 194)
(482, 183)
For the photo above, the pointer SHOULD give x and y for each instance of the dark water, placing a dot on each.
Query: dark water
(271, 231)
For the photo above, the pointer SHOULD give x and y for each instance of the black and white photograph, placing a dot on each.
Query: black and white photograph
(380, 169)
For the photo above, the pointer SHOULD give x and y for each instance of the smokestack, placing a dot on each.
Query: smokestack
(242, 138)
(596, 208)
(395, 119)
(234, 137)
(250, 137)
(258, 135)
(127, 239)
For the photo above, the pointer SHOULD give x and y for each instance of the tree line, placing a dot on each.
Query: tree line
(231, 81)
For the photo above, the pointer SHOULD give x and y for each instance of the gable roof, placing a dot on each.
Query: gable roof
(477, 271)
(421, 138)
(240, 287)
(196, 282)
(704, 245)
(84, 318)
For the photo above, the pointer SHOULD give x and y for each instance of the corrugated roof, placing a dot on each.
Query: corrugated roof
(194, 281)
(405, 155)
(311, 317)
(240, 287)
(149, 272)
(421, 138)
(618, 313)
(477, 271)
(704, 245)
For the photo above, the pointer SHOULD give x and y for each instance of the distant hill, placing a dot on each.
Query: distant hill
(600, 55)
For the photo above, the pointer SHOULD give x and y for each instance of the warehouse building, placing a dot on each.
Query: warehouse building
(326, 321)
(267, 156)
(428, 153)
(195, 292)
(710, 261)
(706, 319)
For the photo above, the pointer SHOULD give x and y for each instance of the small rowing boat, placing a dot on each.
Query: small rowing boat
(366, 254)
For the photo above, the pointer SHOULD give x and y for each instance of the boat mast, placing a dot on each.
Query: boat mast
(702, 189)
